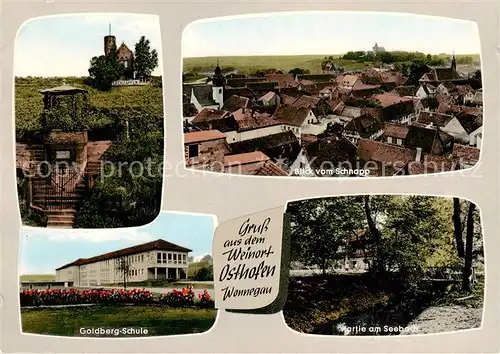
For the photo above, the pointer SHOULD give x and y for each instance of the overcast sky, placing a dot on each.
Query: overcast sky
(42, 250)
(328, 33)
(64, 45)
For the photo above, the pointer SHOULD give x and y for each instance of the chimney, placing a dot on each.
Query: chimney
(419, 154)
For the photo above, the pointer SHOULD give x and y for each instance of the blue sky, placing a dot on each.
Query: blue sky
(64, 45)
(328, 33)
(43, 250)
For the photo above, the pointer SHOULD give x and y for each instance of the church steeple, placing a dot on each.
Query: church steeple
(453, 62)
(218, 82)
(218, 79)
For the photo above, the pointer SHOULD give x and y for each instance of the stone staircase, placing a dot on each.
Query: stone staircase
(58, 197)
(59, 206)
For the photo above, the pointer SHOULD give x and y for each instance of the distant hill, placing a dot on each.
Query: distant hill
(37, 277)
(285, 63)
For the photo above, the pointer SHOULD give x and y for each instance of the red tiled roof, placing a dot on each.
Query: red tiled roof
(291, 115)
(306, 101)
(268, 96)
(467, 153)
(270, 169)
(204, 135)
(245, 158)
(359, 86)
(389, 99)
(248, 119)
(145, 247)
(396, 130)
(370, 150)
(209, 114)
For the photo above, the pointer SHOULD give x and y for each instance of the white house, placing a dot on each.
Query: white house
(425, 90)
(158, 259)
(202, 96)
(466, 129)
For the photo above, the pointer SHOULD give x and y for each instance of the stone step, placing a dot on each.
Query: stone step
(62, 211)
(56, 225)
(61, 217)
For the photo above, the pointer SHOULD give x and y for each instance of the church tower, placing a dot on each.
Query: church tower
(218, 81)
(453, 63)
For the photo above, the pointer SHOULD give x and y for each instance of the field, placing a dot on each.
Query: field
(249, 64)
(159, 320)
(38, 277)
(29, 101)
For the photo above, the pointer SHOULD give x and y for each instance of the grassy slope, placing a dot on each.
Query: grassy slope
(158, 320)
(38, 277)
(29, 101)
(248, 64)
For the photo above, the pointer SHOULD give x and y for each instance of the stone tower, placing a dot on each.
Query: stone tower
(453, 62)
(109, 42)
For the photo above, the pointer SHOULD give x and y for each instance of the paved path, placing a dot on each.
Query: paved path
(441, 319)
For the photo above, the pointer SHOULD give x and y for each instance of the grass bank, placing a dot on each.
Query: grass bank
(317, 305)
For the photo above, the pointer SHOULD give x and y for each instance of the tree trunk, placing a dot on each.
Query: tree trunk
(457, 225)
(377, 263)
(466, 286)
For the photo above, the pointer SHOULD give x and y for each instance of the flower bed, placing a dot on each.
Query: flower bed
(177, 298)
(89, 296)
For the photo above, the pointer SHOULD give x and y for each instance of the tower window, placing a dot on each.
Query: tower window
(220, 90)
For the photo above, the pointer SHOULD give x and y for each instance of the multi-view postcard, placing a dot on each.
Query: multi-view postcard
(148, 281)
(373, 265)
(306, 94)
(89, 120)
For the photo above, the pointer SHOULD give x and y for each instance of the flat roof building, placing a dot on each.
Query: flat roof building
(154, 260)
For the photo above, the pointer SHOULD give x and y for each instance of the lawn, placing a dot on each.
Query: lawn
(29, 101)
(159, 320)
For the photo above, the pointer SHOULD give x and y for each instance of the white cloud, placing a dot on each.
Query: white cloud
(199, 258)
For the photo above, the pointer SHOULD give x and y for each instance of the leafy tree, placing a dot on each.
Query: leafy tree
(105, 69)
(298, 71)
(145, 59)
(475, 81)
(207, 259)
(320, 229)
(204, 274)
(467, 225)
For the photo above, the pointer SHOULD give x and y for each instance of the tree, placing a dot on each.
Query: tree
(145, 59)
(464, 213)
(123, 267)
(104, 70)
(321, 229)
(207, 259)
(298, 71)
(204, 274)
(475, 81)
(415, 71)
